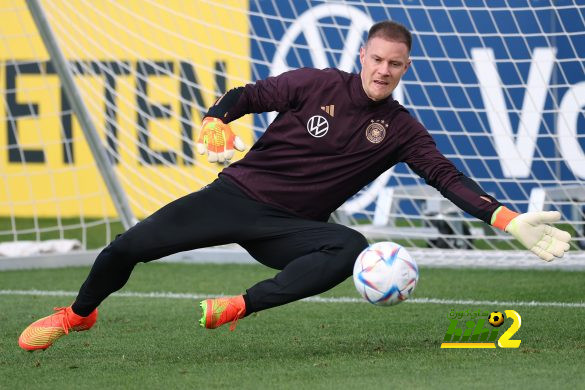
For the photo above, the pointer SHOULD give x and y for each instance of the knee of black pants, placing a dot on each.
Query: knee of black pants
(352, 243)
(121, 252)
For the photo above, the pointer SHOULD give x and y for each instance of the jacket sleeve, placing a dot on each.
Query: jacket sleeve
(420, 152)
(277, 93)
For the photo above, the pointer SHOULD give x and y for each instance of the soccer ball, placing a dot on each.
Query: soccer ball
(496, 318)
(385, 274)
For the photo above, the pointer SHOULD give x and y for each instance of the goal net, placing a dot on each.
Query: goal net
(499, 85)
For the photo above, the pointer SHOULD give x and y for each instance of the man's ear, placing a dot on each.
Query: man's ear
(407, 66)
(362, 55)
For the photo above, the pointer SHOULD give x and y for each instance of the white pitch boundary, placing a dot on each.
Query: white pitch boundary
(317, 299)
(234, 254)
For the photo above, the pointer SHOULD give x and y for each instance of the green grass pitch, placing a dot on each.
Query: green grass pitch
(154, 343)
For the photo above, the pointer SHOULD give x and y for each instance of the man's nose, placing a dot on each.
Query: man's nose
(384, 69)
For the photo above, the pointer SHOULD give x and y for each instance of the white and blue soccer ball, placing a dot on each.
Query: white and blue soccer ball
(385, 274)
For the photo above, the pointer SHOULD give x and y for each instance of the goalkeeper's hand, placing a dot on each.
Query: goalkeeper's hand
(218, 141)
(534, 232)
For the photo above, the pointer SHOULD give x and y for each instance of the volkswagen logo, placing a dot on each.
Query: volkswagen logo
(317, 126)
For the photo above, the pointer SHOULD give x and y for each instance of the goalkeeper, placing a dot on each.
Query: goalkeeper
(335, 132)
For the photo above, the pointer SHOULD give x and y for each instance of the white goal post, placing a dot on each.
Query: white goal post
(102, 101)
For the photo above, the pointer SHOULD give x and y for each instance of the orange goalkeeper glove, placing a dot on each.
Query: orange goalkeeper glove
(534, 232)
(218, 141)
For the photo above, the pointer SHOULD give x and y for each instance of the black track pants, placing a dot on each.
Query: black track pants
(312, 256)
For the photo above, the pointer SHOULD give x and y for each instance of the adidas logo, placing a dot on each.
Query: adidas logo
(329, 109)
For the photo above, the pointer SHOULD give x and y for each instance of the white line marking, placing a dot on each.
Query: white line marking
(318, 299)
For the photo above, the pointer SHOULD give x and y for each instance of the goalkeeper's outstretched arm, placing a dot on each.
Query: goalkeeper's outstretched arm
(533, 230)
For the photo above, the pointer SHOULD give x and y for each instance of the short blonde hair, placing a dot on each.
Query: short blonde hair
(391, 31)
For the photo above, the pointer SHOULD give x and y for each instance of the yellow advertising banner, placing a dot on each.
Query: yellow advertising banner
(146, 71)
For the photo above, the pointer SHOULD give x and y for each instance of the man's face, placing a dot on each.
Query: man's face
(383, 64)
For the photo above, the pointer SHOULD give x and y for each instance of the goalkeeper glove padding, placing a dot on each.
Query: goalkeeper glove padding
(218, 141)
(532, 230)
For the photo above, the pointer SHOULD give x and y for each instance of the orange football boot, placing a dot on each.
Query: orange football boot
(42, 333)
(218, 311)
